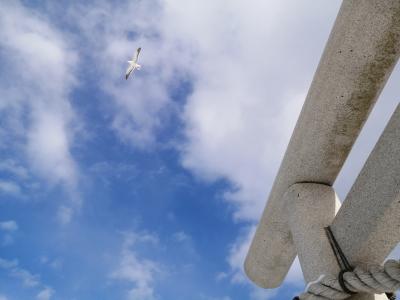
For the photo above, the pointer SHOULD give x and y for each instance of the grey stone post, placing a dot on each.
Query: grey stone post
(360, 54)
(367, 226)
(311, 207)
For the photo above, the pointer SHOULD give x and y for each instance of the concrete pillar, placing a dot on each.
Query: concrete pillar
(368, 224)
(360, 54)
(311, 207)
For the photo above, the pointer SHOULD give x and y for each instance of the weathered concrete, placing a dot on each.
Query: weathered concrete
(370, 214)
(361, 52)
(311, 207)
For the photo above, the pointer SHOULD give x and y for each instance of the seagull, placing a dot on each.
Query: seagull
(133, 65)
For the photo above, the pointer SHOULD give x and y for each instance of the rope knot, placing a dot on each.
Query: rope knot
(350, 281)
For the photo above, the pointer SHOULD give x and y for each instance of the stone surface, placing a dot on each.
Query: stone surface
(311, 207)
(360, 54)
(367, 227)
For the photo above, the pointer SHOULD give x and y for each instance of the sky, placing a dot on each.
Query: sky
(151, 188)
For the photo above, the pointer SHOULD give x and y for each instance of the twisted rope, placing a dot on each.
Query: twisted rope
(373, 280)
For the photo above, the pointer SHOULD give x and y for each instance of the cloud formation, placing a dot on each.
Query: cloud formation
(245, 72)
(247, 85)
(142, 104)
(27, 278)
(39, 121)
(9, 226)
(10, 188)
(135, 269)
(7, 232)
(45, 294)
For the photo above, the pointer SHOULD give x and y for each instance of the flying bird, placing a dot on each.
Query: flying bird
(133, 65)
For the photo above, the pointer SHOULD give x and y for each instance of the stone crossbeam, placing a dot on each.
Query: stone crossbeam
(367, 226)
(361, 52)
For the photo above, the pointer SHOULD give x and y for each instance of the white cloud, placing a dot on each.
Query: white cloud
(249, 68)
(233, 111)
(247, 84)
(9, 226)
(2, 297)
(248, 89)
(236, 257)
(27, 278)
(45, 294)
(48, 147)
(220, 276)
(142, 103)
(13, 167)
(247, 94)
(8, 264)
(35, 105)
(9, 187)
(55, 263)
(64, 214)
(135, 269)
(181, 236)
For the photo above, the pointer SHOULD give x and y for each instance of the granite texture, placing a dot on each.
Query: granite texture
(367, 227)
(310, 208)
(361, 52)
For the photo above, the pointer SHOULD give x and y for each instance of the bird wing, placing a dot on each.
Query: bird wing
(130, 69)
(135, 57)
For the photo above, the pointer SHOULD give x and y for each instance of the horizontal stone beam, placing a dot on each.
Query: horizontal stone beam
(367, 227)
(361, 52)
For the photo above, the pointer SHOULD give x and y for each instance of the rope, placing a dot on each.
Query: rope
(375, 279)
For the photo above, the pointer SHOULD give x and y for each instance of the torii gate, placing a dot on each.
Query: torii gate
(361, 52)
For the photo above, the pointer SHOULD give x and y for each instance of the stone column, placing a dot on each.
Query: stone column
(361, 52)
(368, 224)
(310, 208)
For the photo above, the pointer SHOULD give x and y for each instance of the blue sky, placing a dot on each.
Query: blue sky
(151, 188)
